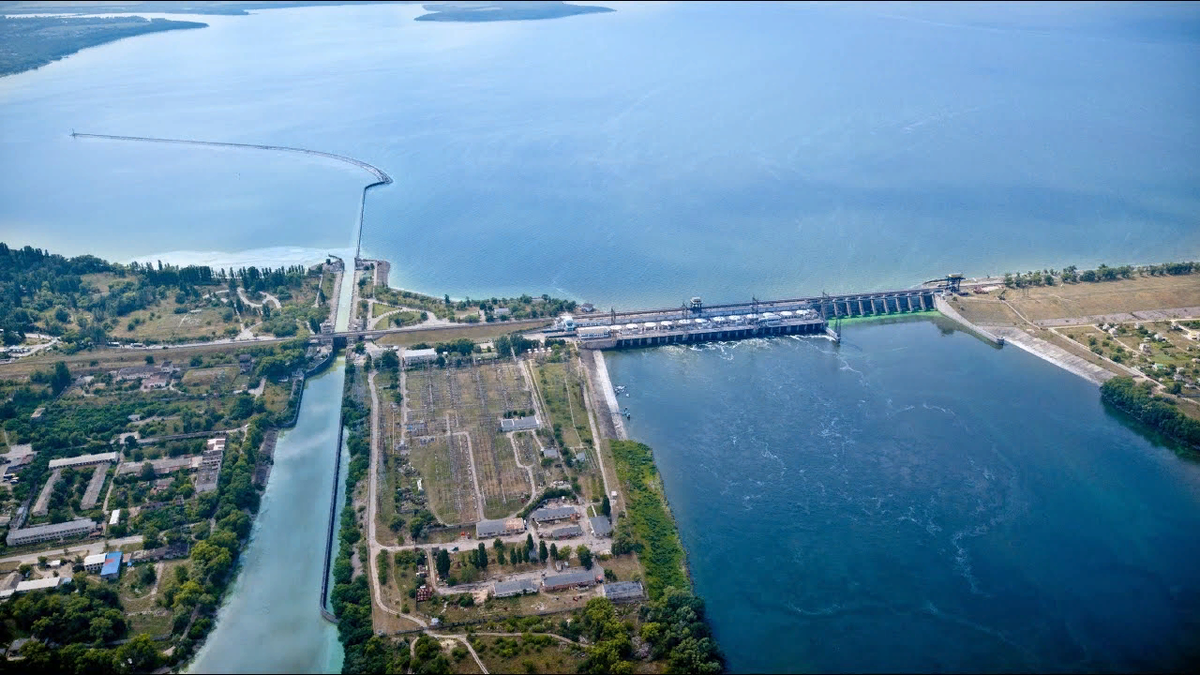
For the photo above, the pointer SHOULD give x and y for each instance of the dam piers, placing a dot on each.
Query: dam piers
(694, 322)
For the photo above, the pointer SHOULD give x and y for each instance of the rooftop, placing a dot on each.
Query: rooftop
(52, 529)
(519, 423)
(618, 590)
(554, 513)
(601, 525)
(489, 528)
(112, 564)
(515, 586)
(38, 584)
(574, 578)
(83, 459)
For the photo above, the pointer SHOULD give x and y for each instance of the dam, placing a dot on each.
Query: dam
(696, 322)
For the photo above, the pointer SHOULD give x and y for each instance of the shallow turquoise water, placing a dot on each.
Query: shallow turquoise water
(916, 500)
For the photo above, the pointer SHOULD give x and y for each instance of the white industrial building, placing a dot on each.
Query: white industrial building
(412, 357)
(83, 460)
(51, 532)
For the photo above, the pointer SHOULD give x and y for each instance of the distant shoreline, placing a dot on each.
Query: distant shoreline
(33, 42)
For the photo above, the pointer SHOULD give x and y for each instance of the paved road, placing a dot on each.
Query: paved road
(73, 550)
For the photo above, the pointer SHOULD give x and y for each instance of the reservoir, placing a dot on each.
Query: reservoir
(270, 621)
(916, 500)
(910, 500)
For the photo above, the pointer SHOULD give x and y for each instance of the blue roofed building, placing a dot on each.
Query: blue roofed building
(112, 565)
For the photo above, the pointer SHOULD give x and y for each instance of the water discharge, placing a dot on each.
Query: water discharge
(916, 500)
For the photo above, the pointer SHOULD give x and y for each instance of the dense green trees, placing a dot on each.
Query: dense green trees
(678, 631)
(1155, 411)
(1072, 274)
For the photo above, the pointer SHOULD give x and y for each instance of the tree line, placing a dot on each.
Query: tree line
(1159, 413)
(1073, 275)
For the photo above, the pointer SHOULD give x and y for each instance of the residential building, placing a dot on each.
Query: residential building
(51, 532)
(38, 415)
(93, 563)
(507, 589)
(623, 591)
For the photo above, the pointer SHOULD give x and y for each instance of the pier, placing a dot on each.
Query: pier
(381, 177)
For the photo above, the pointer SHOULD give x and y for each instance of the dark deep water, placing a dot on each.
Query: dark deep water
(916, 501)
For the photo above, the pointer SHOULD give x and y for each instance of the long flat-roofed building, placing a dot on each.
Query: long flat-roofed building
(51, 532)
(507, 589)
(551, 514)
(39, 584)
(83, 460)
(414, 356)
(557, 582)
(519, 423)
(486, 529)
(623, 591)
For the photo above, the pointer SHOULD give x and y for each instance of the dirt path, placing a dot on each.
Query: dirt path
(267, 297)
(597, 441)
(528, 469)
(553, 635)
(372, 504)
(471, 462)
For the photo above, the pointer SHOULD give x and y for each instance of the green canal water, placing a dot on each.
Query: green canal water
(271, 620)
(916, 500)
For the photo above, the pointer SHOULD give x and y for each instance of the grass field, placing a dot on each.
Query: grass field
(562, 389)
(210, 376)
(530, 653)
(1084, 299)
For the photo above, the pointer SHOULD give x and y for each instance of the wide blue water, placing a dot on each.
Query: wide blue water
(916, 500)
(643, 155)
(668, 150)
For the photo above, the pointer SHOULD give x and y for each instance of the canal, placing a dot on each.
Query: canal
(271, 620)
